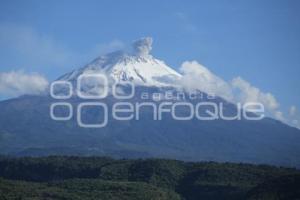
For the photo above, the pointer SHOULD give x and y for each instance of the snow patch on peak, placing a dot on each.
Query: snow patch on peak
(140, 68)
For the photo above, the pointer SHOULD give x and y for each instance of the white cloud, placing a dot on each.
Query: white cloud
(248, 93)
(295, 122)
(279, 115)
(292, 111)
(15, 83)
(196, 76)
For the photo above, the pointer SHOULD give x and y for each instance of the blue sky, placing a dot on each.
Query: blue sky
(255, 39)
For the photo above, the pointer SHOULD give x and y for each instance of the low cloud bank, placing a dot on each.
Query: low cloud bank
(196, 76)
(16, 83)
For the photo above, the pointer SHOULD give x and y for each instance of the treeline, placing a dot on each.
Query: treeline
(63, 177)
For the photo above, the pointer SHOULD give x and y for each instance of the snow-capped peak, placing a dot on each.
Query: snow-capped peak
(139, 67)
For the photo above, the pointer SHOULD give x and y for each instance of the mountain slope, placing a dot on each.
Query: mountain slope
(265, 141)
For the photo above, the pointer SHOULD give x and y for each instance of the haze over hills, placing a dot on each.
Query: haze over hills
(26, 127)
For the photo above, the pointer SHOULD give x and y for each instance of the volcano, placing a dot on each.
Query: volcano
(26, 127)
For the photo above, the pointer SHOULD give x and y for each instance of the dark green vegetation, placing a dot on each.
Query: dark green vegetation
(98, 178)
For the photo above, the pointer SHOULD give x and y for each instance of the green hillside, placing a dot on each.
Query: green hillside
(61, 177)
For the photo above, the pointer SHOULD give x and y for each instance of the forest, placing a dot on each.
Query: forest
(101, 178)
